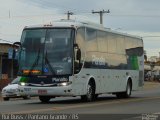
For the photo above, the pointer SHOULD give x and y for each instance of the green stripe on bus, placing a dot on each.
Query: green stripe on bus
(134, 61)
(23, 79)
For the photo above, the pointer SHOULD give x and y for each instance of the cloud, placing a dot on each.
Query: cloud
(15, 15)
(118, 6)
(140, 17)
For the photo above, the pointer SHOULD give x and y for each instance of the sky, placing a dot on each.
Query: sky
(136, 17)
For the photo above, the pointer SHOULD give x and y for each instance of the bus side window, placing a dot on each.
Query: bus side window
(112, 43)
(80, 44)
(91, 40)
(102, 41)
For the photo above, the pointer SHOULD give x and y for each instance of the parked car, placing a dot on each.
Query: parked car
(12, 91)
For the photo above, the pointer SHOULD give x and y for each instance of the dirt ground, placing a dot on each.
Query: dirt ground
(151, 85)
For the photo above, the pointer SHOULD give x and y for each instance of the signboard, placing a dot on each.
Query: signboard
(10, 53)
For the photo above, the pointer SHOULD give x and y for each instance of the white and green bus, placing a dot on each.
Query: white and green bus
(69, 58)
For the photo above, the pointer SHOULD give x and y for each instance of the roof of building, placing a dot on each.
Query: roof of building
(5, 47)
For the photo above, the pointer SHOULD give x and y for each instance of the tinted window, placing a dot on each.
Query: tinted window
(112, 44)
(80, 39)
(133, 46)
(102, 41)
(120, 44)
(91, 40)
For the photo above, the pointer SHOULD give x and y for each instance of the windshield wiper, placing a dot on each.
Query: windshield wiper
(35, 62)
(49, 64)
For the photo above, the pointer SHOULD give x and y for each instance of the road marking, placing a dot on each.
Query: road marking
(117, 101)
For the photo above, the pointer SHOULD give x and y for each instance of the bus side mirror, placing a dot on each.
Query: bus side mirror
(78, 56)
(77, 52)
(76, 45)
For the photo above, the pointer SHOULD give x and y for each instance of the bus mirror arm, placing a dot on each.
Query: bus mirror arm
(17, 44)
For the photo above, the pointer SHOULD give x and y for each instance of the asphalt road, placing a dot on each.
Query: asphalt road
(146, 101)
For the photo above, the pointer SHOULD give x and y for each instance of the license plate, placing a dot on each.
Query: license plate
(8, 92)
(42, 92)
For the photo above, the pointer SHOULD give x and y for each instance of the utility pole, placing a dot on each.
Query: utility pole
(101, 14)
(69, 14)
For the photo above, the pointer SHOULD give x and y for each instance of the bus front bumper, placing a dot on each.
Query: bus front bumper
(46, 91)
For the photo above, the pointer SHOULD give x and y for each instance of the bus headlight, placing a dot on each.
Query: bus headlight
(64, 83)
(22, 83)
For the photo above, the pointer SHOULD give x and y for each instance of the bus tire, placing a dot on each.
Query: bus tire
(26, 97)
(127, 93)
(44, 99)
(90, 96)
(6, 98)
(96, 96)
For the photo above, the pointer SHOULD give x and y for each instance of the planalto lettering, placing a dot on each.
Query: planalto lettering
(98, 61)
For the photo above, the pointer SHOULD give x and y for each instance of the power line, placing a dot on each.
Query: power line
(78, 12)
(101, 14)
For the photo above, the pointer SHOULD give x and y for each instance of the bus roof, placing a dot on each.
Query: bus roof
(75, 24)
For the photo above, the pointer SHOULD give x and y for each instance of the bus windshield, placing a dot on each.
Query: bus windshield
(46, 51)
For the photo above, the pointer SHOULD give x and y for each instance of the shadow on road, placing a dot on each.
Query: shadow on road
(77, 100)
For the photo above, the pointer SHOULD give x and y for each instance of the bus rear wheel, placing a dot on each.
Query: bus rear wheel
(90, 93)
(127, 93)
(44, 99)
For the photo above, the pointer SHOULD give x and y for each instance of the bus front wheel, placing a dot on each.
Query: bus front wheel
(90, 93)
(44, 99)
